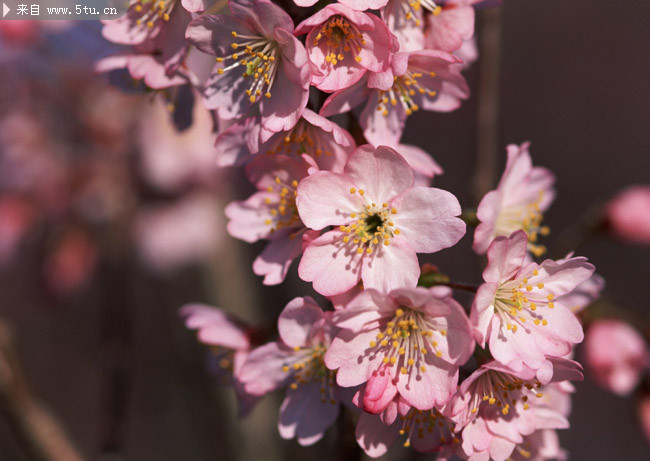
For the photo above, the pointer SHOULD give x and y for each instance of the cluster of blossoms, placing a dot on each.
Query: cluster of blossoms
(266, 86)
(486, 380)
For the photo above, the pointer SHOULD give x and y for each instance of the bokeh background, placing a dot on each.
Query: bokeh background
(100, 245)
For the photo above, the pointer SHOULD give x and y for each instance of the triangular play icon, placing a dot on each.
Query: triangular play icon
(5, 10)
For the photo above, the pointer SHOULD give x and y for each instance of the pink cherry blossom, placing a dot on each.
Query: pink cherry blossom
(629, 215)
(523, 194)
(312, 400)
(428, 80)
(616, 354)
(408, 342)
(343, 44)
(517, 310)
(271, 214)
(260, 64)
(498, 407)
(381, 221)
(324, 141)
(426, 431)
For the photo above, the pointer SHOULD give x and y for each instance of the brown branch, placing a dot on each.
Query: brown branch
(487, 137)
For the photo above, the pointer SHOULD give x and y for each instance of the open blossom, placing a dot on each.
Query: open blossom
(498, 407)
(259, 63)
(271, 214)
(408, 342)
(312, 400)
(523, 194)
(343, 44)
(426, 431)
(517, 310)
(381, 221)
(428, 80)
(616, 354)
(629, 214)
(324, 141)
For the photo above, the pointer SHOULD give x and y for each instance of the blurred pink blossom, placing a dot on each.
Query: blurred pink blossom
(169, 236)
(629, 214)
(616, 354)
(70, 264)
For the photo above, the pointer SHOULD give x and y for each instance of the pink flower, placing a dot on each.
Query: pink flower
(409, 342)
(497, 407)
(343, 44)
(428, 80)
(311, 404)
(629, 214)
(450, 25)
(381, 221)
(260, 64)
(324, 141)
(518, 311)
(523, 194)
(616, 354)
(271, 214)
(426, 431)
(229, 341)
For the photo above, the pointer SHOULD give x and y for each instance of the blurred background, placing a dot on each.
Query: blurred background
(110, 221)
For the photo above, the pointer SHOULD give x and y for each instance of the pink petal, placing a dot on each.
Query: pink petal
(297, 321)
(427, 219)
(262, 371)
(332, 266)
(324, 199)
(381, 172)
(304, 415)
(391, 267)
